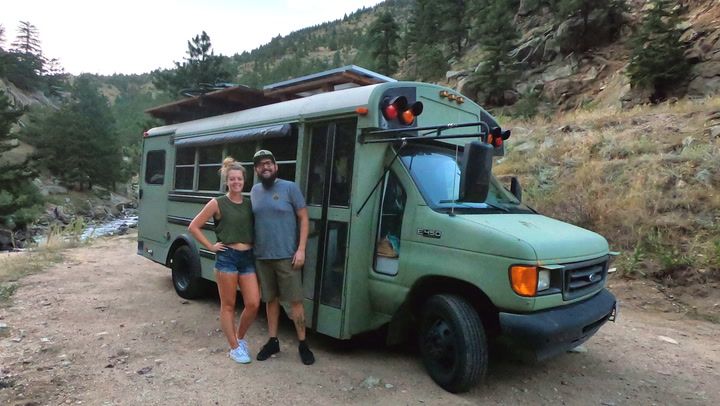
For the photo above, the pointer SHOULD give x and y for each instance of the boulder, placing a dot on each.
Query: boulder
(510, 97)
(631, 97)
(456, 74)
(551, 49)
(120, 202)
(531, 51)
(555, 72)
(601, 28)
(707, 69)
(58, 213)
(713, 132)
(47, 190)
(567, 34)
(6, 239)
(526, 7)
(700, 86)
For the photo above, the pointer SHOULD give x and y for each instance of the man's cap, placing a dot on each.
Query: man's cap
(262, 154)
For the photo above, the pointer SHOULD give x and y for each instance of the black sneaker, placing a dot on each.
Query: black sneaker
(306, 355)
(270, 348)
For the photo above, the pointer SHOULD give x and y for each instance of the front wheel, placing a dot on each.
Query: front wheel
(452, 343)
(186, 274)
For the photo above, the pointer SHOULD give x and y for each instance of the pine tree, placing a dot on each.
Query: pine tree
(426, 18)
(202, 69)
(79, 141)
(454, 26)
(657, 60)
(496, 34)
(20, 201)
(23, 65)
(27, 41)
(382, 39)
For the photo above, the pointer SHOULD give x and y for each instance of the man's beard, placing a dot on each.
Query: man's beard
(268, 182)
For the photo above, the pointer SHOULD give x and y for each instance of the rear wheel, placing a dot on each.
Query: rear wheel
(186, 274)
(452, 343)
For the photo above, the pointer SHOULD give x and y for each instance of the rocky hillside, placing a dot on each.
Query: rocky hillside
(567, 79)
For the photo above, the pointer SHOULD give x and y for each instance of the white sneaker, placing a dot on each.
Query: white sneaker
(243, 343)
(240, 355)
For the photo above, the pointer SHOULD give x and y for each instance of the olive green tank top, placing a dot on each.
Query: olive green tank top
(236, 221)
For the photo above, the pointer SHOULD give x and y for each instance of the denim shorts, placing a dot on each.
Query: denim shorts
(234, 261)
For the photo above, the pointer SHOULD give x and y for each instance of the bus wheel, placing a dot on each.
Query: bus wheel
(452, 343)
(186, 274)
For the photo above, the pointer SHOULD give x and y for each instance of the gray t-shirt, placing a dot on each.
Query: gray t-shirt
(276, 226)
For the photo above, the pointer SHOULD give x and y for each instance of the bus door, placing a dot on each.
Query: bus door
(332, 147)
(154, 185)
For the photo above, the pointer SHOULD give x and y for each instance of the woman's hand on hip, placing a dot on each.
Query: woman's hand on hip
(218, 246)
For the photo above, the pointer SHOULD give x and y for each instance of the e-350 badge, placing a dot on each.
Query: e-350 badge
(426, 232)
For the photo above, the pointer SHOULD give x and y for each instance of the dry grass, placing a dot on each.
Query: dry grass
(16, 265)
(647, 178)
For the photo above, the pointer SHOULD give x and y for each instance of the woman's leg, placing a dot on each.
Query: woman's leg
(227, 288)
(251, 298)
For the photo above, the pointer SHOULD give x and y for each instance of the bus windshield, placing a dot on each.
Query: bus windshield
(436, 172)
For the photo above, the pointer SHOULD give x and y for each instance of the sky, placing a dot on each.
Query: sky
(137, 36)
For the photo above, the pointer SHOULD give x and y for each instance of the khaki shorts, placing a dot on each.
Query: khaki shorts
(278, 279)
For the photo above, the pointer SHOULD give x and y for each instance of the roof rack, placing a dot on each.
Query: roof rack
(241, 97)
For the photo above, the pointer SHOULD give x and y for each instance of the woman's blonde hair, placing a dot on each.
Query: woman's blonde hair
(230, 164)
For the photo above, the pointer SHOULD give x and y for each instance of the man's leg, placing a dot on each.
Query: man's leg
(273, 315)
(298, 313)
(268, 287)
(290, 287)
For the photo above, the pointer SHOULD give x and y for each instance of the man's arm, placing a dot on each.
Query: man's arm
(299, 257)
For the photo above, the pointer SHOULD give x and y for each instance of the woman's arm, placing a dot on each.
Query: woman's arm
(209, 211)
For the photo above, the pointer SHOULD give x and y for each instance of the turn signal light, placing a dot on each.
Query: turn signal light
(524, 279)
(397, 108)
(495, 141)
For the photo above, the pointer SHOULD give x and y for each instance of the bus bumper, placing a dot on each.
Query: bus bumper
(545, 334)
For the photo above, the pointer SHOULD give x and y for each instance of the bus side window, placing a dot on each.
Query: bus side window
(387, 247)
(155, 167)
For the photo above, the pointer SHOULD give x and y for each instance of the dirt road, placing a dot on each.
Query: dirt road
(106, 328)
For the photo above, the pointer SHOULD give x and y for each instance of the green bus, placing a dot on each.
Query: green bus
(410, 233)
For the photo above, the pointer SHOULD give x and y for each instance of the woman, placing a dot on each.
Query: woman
(235, 262)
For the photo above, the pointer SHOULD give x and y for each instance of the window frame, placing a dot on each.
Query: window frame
(386, 181)
(254, 145)
(147, 166)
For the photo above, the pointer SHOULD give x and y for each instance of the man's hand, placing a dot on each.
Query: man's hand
(298, 259)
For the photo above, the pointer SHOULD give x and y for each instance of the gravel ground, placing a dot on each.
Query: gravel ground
(105, 327)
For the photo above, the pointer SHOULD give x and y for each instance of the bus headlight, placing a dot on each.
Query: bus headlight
(543, 280)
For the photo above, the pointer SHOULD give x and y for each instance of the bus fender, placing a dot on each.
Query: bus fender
(180, 240)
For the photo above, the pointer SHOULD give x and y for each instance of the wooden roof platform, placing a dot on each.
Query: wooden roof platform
(238, 98)
(213, 103)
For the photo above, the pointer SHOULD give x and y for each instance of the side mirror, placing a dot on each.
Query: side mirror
(515, 188)
(475, 172)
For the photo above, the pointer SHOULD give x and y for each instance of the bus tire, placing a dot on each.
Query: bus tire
(452, 343)
(186, 274)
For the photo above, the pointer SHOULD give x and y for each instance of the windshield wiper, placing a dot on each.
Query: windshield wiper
(465, 206)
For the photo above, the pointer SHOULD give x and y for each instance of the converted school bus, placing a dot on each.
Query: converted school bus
(409, 230)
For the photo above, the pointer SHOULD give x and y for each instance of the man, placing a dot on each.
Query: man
(279, 208)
